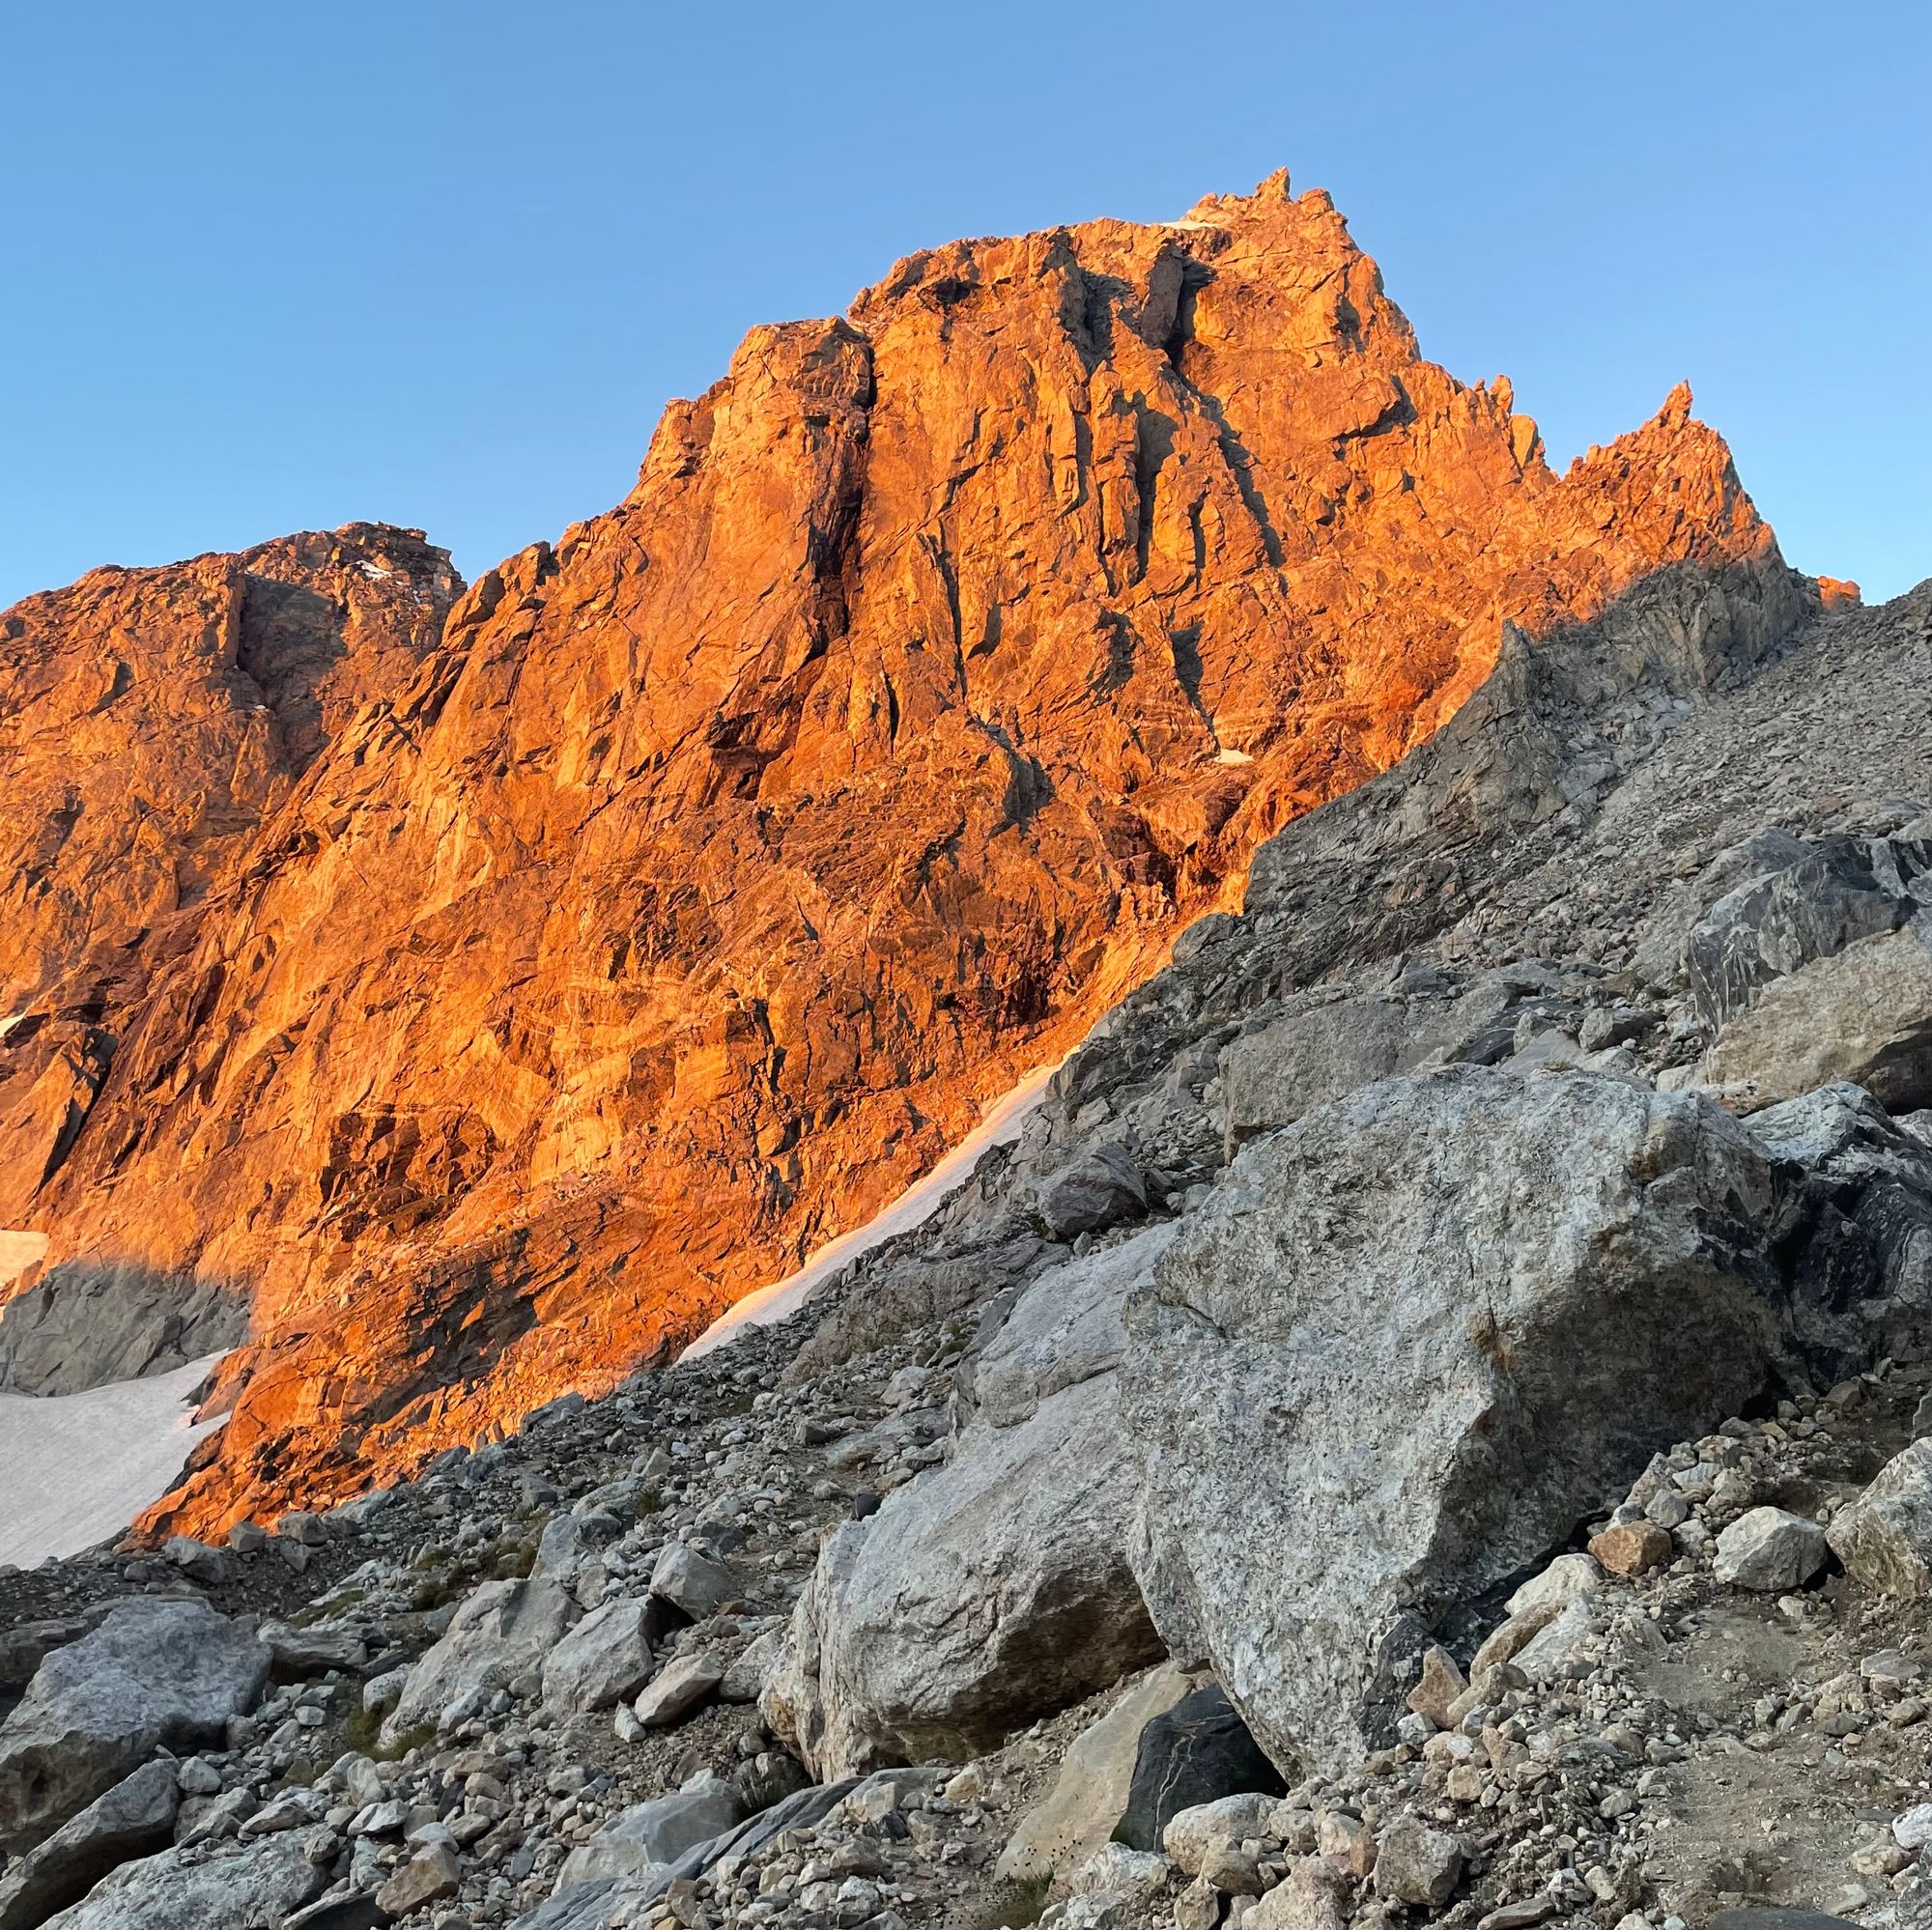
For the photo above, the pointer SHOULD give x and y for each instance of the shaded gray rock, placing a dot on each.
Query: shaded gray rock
(1862, 1014)
(1089, 1796)
(1771, 1551)
(1065, 1328)
(996, 1587)
(678, 1689)
(1885, 1537)
(1197, 1753)
(85, 1324)
(1099, 1189)
(692, 1582)
(502, 1629)
(1857, 1249)
(1413, 1341)
(1809, 903)
(133, 1818)
(154, 1672)
(605, 1658)
(1417, 1866)
(651, 1834)
(232, 1890)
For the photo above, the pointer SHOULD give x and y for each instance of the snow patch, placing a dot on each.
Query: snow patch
(375, 572)
(1232, 757)
(1000, 1125)
(81, 1466)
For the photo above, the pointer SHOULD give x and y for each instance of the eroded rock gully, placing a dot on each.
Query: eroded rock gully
(685, 898)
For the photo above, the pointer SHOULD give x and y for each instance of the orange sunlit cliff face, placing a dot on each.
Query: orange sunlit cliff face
(671, 902)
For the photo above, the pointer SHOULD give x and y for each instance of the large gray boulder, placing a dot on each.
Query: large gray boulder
(1410, 1342)
(246, 1890)
(1862, 1014)
(1856, 1254)
(154, 1673)
(1885, 1537)
(605, 1658)
(502, 1630)
(135, 1817)
(651, 1836)
(1272, 1075)
(1806, 902)
(997, 1587)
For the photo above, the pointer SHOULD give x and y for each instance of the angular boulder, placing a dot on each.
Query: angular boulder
(1198, 1752)
(1413, 1339)
(502, 1630)
(1771, 1551)
(655, 1834)
(1099, 1189)
(1885, 1537)
(1806, 902)
(231, 1890)
(1863, 1014)
(154, 1673)
(605, 1658)
(1089, 1796)
(133, 1819)
(997, 1587)
(1272, 1075)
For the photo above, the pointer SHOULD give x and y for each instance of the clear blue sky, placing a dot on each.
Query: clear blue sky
(273, 266)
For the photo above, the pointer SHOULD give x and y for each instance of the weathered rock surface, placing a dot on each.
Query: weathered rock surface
(132, 1818)
(655, 1833)
(1395, 1357)
(605, 1658)
(996, 1587)
(234, 1891)
(502, 1629)
(153, 1673)
(1003, 617)
(1089, 1796)
(84, 1325)
(1198, 1752)
(1885, 1537)
(1770, 1550)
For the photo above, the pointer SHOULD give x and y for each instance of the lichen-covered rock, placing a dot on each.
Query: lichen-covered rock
(1413, 1339)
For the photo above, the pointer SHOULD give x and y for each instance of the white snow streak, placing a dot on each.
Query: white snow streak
(1000, 1127)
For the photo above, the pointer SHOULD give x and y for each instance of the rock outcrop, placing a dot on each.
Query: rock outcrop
(1393, 1360)
(947, 658)
(153, 1673)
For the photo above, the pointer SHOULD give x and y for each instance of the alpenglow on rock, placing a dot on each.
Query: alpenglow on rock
(978, 636)
(1408, 1345)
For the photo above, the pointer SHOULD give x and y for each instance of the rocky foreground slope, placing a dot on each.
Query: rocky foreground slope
(1431, 1423)
(712, 865)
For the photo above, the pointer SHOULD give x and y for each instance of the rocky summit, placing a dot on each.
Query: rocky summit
(1430, 1419)
(483, 991)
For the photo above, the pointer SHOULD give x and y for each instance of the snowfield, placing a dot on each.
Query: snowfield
(81, 1466)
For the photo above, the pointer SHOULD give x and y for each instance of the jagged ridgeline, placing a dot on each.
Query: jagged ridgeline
(1429, 1421)
(486, 989)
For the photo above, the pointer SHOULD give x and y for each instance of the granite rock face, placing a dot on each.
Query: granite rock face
(1411, 1338)
(947, 657)
(154, 1673)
